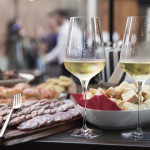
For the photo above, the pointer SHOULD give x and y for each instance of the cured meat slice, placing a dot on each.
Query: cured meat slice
(38, 104)
(8, 111)
(66, 116)
(20, 113)
(28, 117)
(3, 112)
(49, 119)
(64, 107)
(29, 103)
(45, 106)
(47, 111)
(52, 105)
(12, 116)
(57, 103)
(28, 125)
(17, 120)
(32, 108)
(2, 108)
(40, 112)
(41, 120)
(44, 102)
(26, 110)
(57, 117)
(54, 110)
(1, 119)
(34, 113)
(75, 112)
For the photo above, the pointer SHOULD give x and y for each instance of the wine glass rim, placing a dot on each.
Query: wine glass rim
(78, 17)
(138, 17)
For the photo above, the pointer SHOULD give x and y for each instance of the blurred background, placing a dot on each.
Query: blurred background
(30, 30)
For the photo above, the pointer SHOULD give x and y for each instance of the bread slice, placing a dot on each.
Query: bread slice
(110, 92)
(101, 91)
(147, 102)
(130, 96)
(146, 97)
(144, 106)
(118, 91)
(145, 90)
(89, 95)
(130, 106)
(129, 86)
(93, 91)
(113, 99)
(120, 103)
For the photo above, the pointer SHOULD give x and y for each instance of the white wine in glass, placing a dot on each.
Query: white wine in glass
(139, 70)
(84, 70)
(135, 60)
(84, 58)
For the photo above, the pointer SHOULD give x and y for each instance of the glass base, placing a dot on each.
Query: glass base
(89, 133)
(136, 135)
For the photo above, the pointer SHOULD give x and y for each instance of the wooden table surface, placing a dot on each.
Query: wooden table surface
(110, 140)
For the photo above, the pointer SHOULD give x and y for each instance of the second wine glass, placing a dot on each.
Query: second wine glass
(84, 58)
(135, 60)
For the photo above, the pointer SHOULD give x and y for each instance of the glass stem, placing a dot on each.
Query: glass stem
(139, 129)
(84, 88)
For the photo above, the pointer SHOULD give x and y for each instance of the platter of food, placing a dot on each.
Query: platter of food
(126, 98)
(10, 78)
(37, 119)
(51, 89)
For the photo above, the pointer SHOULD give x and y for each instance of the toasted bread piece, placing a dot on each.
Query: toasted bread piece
(147, 102)
(65, 84)
(127, 86)
(118, 91)
(93, 91)
(52, 80)
(101, 91)
(113, 99)
(130, 96)
(9, 92)
(130, 106)
(146, 97)
(89, 95)
(31, 92)
(145, 90)
(59, 89)
(64, 78)
(120, 103)
(110, 92)
(144, 106)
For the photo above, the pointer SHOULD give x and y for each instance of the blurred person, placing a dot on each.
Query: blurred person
(58, 51)
(54, 28)
(14, 50)
(29, 40)
(3, 58)
(42, 50)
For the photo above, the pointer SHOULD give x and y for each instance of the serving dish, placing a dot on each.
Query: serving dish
(115, 119)
(11, 82)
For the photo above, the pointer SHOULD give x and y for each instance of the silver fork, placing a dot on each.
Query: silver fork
(16, 105)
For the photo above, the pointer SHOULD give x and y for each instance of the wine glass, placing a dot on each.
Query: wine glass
(135, 60)
(84, 58)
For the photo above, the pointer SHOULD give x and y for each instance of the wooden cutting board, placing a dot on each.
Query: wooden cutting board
(14, 136)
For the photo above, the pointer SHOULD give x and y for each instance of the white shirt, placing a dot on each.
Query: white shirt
(59, 50)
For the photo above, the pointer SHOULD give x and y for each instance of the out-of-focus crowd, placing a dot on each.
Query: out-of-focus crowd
(36, 49)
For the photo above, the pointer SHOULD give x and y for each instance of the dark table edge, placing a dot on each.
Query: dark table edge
(137, 144)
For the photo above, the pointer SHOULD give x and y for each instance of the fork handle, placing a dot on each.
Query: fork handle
(6, 123)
